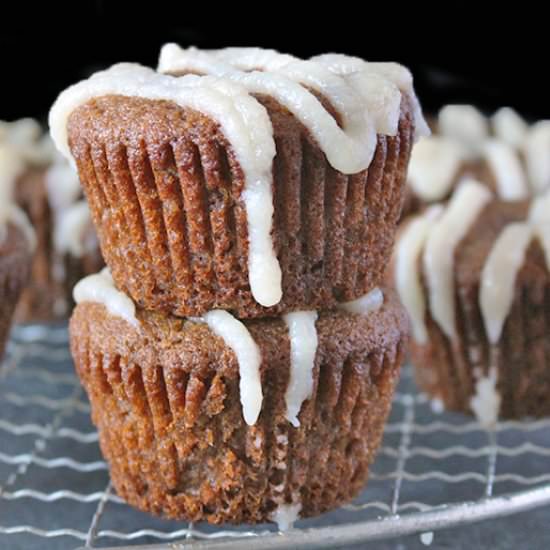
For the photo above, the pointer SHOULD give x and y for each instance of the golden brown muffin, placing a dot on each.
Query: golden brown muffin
(165, 398)
(165, 191)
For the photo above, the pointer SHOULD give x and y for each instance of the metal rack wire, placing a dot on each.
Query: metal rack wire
(434, 469)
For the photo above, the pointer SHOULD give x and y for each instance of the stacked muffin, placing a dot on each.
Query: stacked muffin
(46, 188)
(505, 153)
(238, 355)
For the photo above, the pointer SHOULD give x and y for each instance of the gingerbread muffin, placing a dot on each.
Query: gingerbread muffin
(226, 421)
(17, 244)
(242, 179)
(47, 189)
(503, 152)
(474, 277)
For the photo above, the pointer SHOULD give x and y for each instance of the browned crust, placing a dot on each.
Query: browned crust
(15, 260)
(165, 193)
(167, 405)
(446, 369)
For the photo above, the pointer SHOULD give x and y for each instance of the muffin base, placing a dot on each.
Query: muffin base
(166, 401)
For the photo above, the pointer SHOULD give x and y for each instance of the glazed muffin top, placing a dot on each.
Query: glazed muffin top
(343, 102)
(477, 245)
(503, 152)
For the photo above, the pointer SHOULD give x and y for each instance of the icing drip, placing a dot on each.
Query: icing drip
(285, 515)
(244, 122)
(349, 149)
(537, 157)
(390, 72)
(100, 288)
(70, 229)
(485, 403)
(498, 277)
(238, 338)
(407, 277)
(540, 209)
(303, 346)
(509, 127)
(506, 167)
(10, 213)
(371, 301)
(464, 208)
(434, 165)
(465, 124)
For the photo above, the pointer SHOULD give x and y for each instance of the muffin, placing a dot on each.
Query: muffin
(226, 421)
(242, 179)
(474, 277)
(504, 153)
(47, 189)
(17, 243)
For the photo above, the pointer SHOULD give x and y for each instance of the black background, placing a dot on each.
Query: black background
(454, 54)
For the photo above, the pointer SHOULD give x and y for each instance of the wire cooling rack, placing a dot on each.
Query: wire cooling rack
(434, 470)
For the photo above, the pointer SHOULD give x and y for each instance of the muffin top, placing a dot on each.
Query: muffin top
(477, 245)
(343, 102)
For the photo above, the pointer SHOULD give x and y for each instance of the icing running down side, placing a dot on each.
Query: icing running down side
(285, 515)
(464, 208)
(235, 334)
(408, 281)
(425, 236)
(509, 127)
(465, 124)
(70, 229)
(434, 165)
(303, 346)
(367, 101)
(371, 301)
(506, 167)
(100, 288)
(485, 403)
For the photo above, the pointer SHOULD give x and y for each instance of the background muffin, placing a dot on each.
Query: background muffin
(474, 278)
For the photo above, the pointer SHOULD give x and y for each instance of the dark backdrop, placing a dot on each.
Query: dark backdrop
(454, 54)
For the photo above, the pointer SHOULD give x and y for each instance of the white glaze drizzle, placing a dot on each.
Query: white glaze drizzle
(372, 301)
(465, 124)
(70, 229)
(408, 281)
(434, 165)
(537, 155)
(303, 346)
(509, 126)
(62, 184)
(348, 149)
(462, 211)
(235, 334)
(505, 165)
(498, 277)
(485, 403)
(100, 288)
(285, 515)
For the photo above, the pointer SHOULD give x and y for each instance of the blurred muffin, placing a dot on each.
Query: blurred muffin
(271, 184)
(474, 277)
(47, 189)
(17, 243)
(219, 420)
(504, 153)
